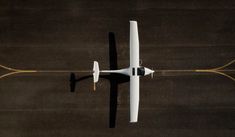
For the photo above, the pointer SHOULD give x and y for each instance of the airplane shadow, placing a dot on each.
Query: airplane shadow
(114, 79)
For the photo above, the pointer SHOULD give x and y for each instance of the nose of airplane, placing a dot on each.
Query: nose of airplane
(148, 71)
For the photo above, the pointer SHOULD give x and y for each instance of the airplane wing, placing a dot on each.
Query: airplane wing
(134, 98)
(134, 78)
(134, 44)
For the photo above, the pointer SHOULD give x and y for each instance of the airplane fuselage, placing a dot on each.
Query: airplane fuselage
(131, 71)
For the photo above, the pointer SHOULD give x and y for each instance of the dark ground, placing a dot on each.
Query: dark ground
(71, 34)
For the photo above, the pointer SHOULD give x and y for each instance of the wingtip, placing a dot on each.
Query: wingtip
(133, 21)
(133, 121)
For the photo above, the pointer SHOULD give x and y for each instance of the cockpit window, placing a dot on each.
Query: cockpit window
(133, 71)
(140, 71)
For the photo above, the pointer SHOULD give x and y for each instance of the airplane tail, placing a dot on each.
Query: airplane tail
(96, 73)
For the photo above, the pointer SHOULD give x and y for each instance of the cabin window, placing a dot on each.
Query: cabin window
(133, 71)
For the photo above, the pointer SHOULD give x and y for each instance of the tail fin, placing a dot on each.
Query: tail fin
(96, 73)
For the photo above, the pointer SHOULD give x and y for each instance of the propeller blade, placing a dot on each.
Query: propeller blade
(152, 74)
(94, 87)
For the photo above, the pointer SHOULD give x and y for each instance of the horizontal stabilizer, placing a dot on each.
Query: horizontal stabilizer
(96, 72)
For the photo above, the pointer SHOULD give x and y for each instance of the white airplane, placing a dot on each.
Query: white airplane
(134, 71)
